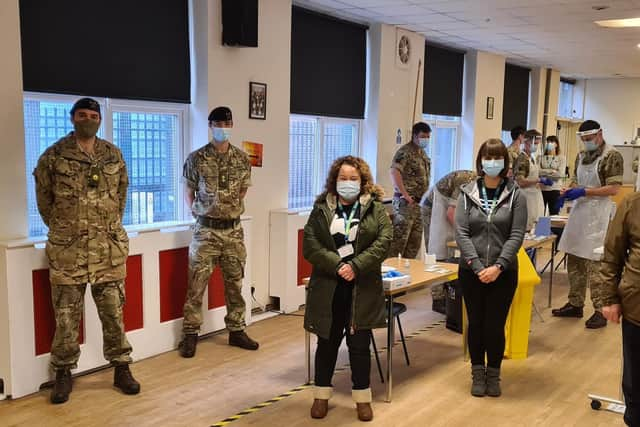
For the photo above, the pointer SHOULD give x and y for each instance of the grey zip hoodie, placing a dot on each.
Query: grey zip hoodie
(485, 241)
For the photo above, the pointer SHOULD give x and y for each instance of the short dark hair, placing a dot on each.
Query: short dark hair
(531, 134)
(554, 139)
(493, 147)
(589, 125)
(420, 127)
(517, 131)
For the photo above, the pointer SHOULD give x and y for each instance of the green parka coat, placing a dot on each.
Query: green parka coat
(374, 236)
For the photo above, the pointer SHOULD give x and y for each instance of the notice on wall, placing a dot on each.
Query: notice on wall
(254, 151)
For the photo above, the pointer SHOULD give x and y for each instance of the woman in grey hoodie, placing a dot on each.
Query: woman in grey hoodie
(491, 217)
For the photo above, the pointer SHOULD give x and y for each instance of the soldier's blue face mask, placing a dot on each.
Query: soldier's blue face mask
(221, 134)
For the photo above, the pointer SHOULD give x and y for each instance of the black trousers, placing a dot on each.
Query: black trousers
(550, 198)
(358, 344)
(487, 309)
(631, 372)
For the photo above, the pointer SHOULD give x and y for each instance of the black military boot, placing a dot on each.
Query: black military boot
(242, 340)
(188, 345)
(123, 379)
(62, 386)
(568, 310)
(439, 305)
(596, 321)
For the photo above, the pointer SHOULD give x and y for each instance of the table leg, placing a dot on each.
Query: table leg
(390, 341)
(553, 257)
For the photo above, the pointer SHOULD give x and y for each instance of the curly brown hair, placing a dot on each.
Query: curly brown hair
(367, 186)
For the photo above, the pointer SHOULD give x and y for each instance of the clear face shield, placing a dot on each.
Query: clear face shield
(588, 139)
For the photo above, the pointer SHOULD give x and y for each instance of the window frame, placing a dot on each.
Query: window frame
(571, 101)
(319, 146)
(108, 106)
(448, 122)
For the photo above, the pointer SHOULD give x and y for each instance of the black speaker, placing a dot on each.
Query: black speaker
(240, 23)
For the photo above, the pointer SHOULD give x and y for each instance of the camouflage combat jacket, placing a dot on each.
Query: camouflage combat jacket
(82, 199)
(218, 179)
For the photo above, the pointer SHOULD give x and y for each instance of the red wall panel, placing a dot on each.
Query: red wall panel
(174, 272)
(133, 311)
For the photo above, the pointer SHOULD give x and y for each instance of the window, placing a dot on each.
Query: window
(150, 136)
(443, 148)
(314, 143)
(506, 137)
(565, 99)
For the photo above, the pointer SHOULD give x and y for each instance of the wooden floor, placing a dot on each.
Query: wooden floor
(548, 389)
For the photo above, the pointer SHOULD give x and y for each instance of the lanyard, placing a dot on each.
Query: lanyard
(347, 221)
(489, 206)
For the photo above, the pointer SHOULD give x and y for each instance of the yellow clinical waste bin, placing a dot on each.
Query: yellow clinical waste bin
(519, 318)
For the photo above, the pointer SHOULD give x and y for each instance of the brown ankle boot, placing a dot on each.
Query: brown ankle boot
(365, 412)
(62, 387)
(363, 404)
(188, 345)
(123, 379)
(319, 408)
(242, 340)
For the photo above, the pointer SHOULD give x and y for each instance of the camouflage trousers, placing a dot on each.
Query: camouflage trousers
(437, 291)
(68, 307)
(211, 247)
(407, 229)
(584, 273)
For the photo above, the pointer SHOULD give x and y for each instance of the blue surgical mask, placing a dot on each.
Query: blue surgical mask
(423, 142)
(348, 190)
(551, 146)
(493, 167)
(534, 148)
(590, 145)
(221, 134)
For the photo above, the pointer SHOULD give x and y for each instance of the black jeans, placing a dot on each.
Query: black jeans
(551, 201)
(358, 344)
(631, 372)
(487, 309)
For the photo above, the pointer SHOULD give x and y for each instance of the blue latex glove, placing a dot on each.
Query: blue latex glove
(560, 203)
(575, 193)
(546, 181)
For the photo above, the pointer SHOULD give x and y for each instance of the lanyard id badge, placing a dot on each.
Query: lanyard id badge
(489, 206)
(347, 249)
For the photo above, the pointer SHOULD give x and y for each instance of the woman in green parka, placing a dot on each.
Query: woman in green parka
(346, 239)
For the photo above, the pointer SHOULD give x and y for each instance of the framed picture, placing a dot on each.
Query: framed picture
(490, 102)
(257, 101)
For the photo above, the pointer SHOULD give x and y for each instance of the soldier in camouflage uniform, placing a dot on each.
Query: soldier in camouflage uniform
(81, 188)
(517, 138)
(448, 187)
(410, 172)
(217, 177)
(597, 174)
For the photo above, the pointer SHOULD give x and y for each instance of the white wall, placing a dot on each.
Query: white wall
(13, 186)
(230, 71)
(484, 77)
(554, 95)
(391, 97)
(615, 104)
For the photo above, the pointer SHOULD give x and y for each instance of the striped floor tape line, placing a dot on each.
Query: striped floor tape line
(259, 406)
(298, 389)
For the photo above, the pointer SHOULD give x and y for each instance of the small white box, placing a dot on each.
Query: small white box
(392, 283)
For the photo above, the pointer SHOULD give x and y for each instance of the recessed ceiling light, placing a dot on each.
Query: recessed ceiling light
(619, 23)
(599, 8)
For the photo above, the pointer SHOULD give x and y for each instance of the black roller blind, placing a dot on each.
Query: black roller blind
(117, 48)
(443, 76)
(515, 109)
(328, 65)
